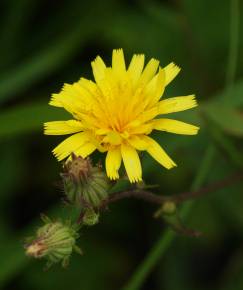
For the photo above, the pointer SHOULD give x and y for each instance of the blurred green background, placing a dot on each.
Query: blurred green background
(46, 43)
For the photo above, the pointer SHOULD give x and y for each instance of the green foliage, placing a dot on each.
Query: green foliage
(27, 118)
(47, 43)
(226, 110)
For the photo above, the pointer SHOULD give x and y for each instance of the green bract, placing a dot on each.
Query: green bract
(54, 241)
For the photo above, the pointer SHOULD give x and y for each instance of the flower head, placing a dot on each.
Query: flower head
(116, 113)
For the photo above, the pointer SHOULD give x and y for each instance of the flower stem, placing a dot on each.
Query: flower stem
(175, 198)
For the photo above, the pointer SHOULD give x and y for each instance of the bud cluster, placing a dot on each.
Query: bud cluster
(85, 187)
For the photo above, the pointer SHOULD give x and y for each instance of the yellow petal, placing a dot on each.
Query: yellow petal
(74, 98)
(132, 163)
(174, 126)
(149, 72)
(63, 100)
(118, 61)
(89, 86)
(99, 68)
(85, 150)
(142, 129)
(113, 163)
(113, 138)
(170, 105)
(176, 104)
(55, 101)
(155, 88)
(70, 144)
(171, 71)
(138, 142)
(62, 127)
(160, 85)
(102, 131)
(136, 67)
(159, 154)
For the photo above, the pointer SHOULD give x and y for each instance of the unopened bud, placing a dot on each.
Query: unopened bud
(90, 217)
(54, 241)
(169, 207)
(85, 185)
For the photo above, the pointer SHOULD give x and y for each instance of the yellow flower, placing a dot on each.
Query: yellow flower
(117, 112)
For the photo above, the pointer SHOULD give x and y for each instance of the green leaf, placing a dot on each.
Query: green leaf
(229, 119)
(27, 118)
(16, 18)
(59, 51)
(231, 97)
(227, 112)
(39, 65)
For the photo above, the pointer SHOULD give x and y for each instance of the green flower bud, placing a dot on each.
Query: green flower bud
(85, 185)
(90, 217)
(169, 207)
(54, 241)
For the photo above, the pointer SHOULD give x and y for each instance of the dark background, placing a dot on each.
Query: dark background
(47, 43)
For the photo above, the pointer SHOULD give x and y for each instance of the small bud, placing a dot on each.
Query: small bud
(85, 185)
(90, 217)
(167, 208)
(54, 241)
(168, 212)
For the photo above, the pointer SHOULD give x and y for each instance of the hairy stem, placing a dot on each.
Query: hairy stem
(177, 198)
